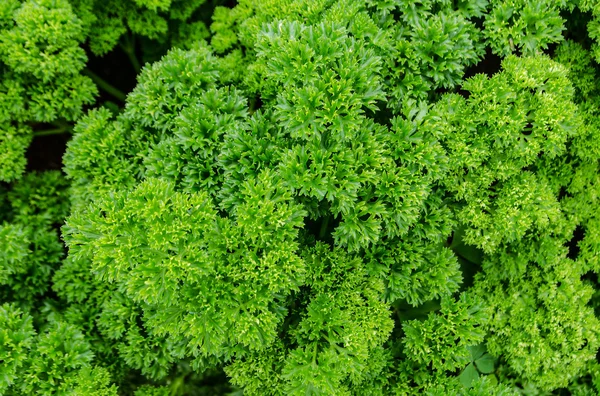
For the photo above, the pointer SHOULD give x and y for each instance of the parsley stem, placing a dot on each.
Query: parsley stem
(324, 226)
(105, 86)
(128, 46)
(49, 132)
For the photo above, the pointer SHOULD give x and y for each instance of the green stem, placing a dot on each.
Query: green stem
(324, 226)
(176, 385)
(128, 46)
(49, 132)
(105, 86)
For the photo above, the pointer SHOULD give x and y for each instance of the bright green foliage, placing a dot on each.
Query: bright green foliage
(433, 43)
(41, 60)
(30, 248)
(15, 249)
(495, 141)
(438, 344)
(269, 235)
(94, 170)
(44, 83)
(593, 26)
(16, 338)
(180, 268)
(43, 41)
(204, 144)
(53, 357)
(13, 143)
(582, 176)
(416, 272)
(87, 300)
(93, 381)
(107, 21)
(339, 334)
(441, 339)
(479, 387)
(59, 363)
(47, 368)
(541, 324)
(40, 198)
(28, 257)
(309, 197)
(427, 46)
(40, 80)
(527, 26)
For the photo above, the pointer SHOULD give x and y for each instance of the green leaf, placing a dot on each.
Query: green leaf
(477, 351)
(485, 364)
(468, 375)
